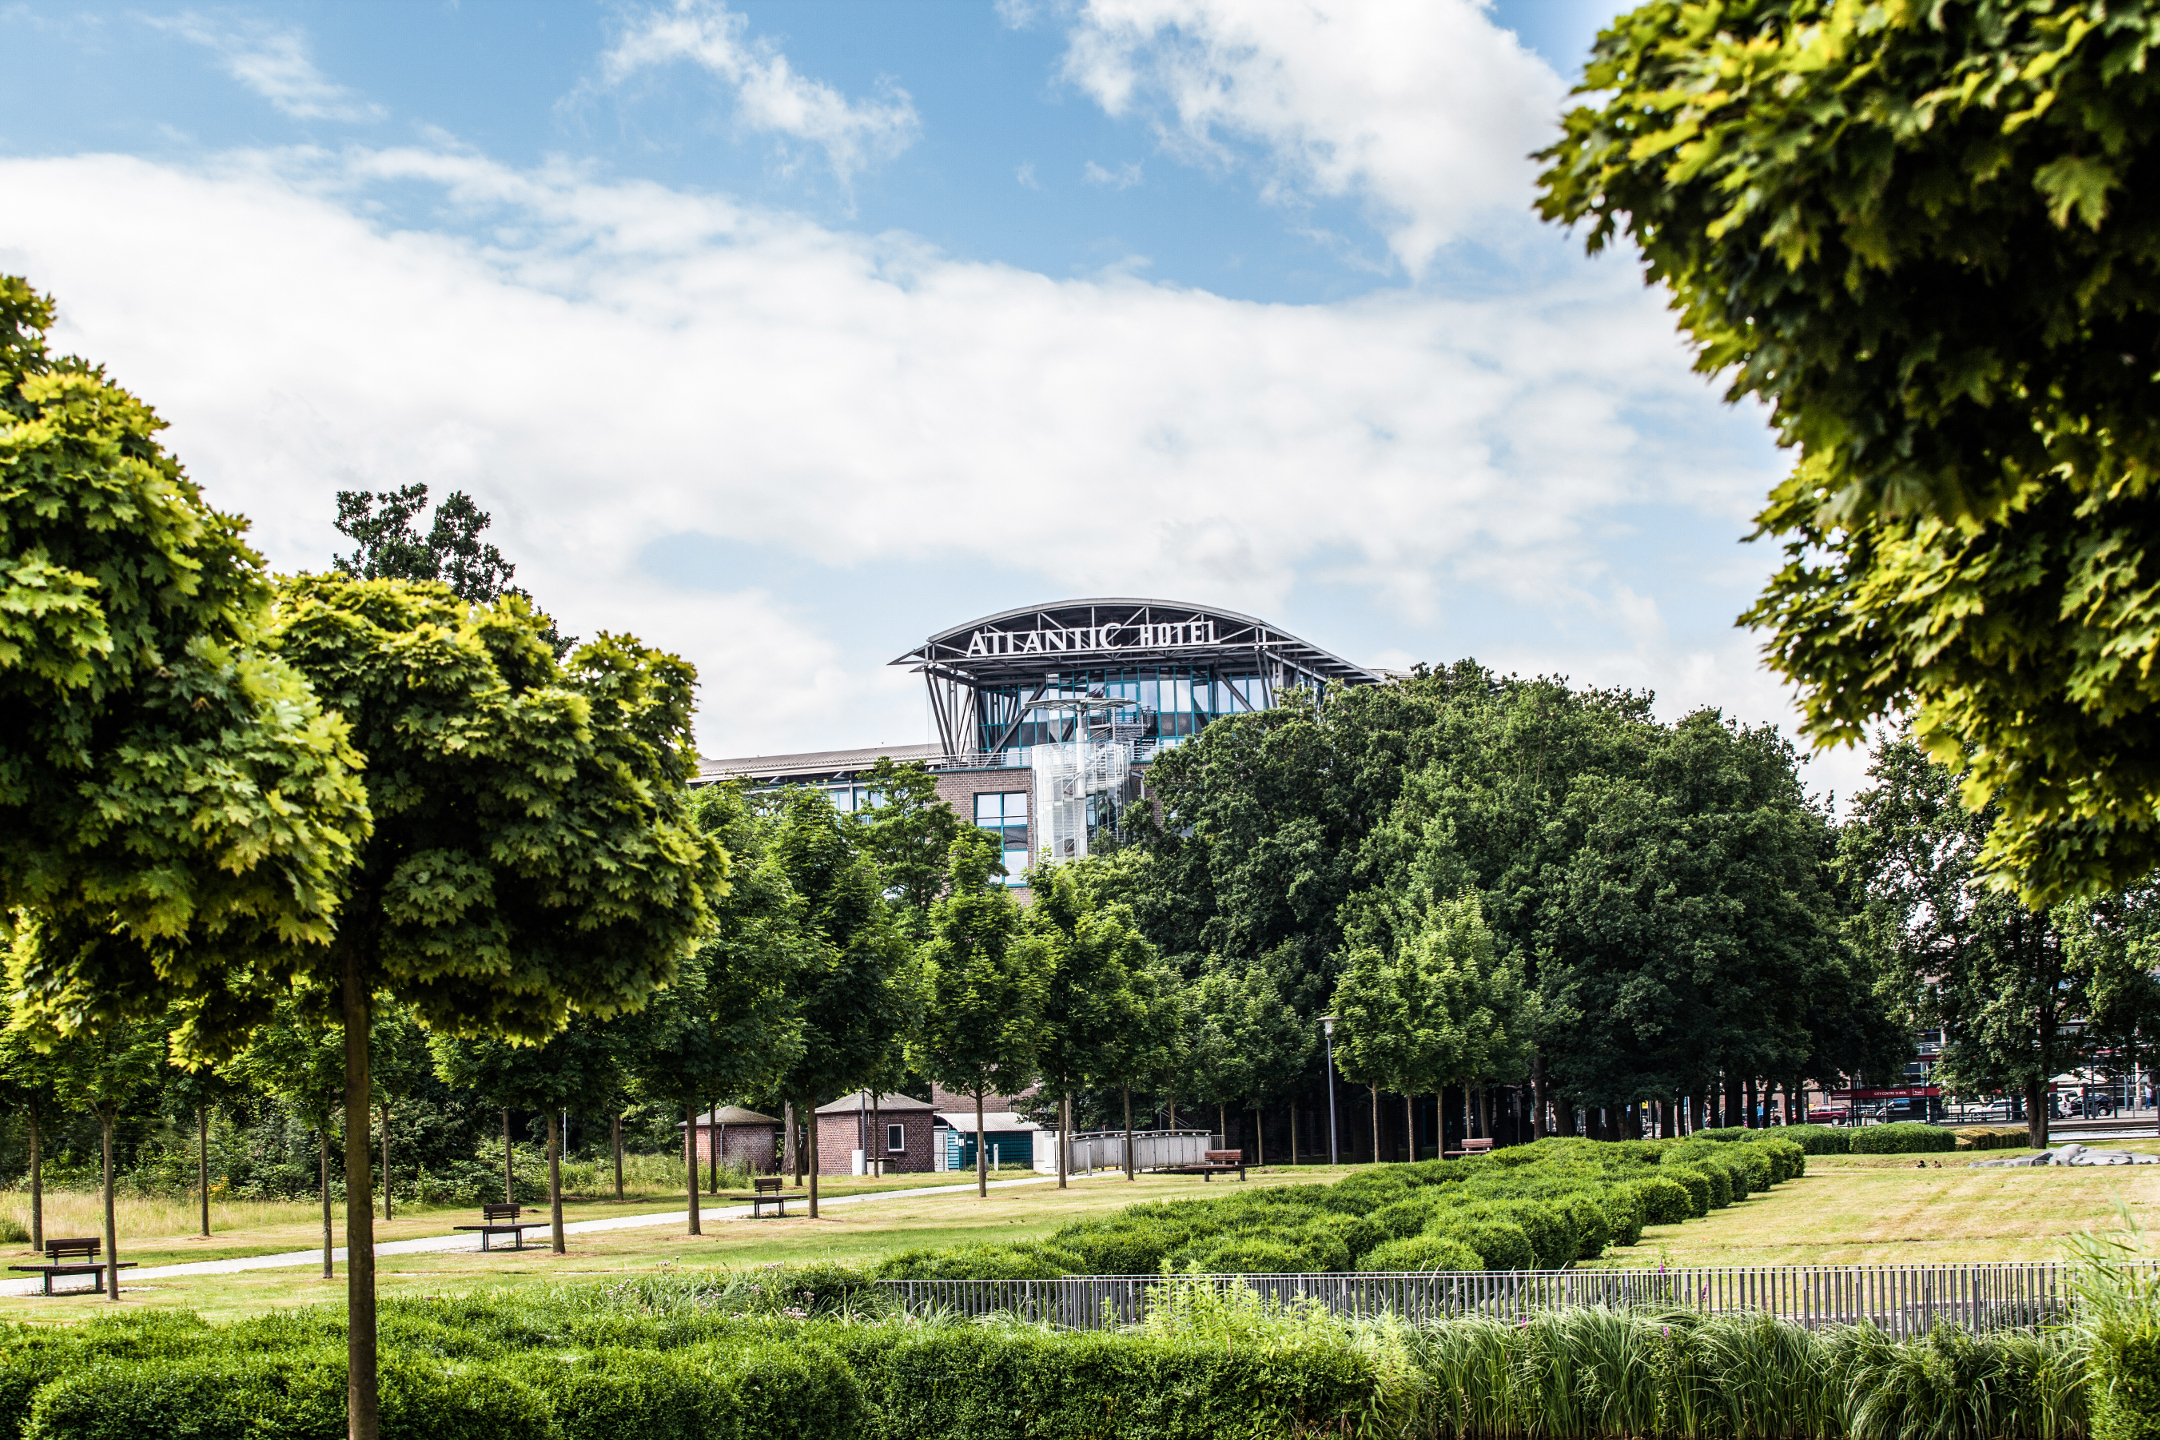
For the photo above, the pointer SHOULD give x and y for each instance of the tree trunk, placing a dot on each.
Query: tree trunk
(1375, 1089)
(112, 1231)
(322, 1155)
(1293, 1132)
(616, 1145)
(554, 1144)
(387, 1215)
(2036, 1116)
(509, 1174)
(982, 1158)
(1751, 1116)
(1537, 1095)
(1130, 1174)
(811, 1140)
(1409, 1125)
(361, 1419)
(1484, 1110)
(689, 1115)
(790, 1143)
(1064, 1139)
(37, 1181)
(202, 1163)
(1259, 1135)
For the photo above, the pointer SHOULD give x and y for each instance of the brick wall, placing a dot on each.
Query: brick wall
(752, 1145)
(839, 1136)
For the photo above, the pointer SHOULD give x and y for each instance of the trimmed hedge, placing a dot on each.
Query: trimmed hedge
(1820, 1139)
(1902, 1137)
(1988, 1137)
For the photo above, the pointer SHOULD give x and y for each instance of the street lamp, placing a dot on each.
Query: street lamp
(1327, 1029)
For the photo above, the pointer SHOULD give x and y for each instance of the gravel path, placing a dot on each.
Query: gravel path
(433, 1244)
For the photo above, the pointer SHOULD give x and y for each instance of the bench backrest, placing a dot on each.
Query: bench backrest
(1476, 1147)
(493, 1214)
(1225, 1157)
(69, 1249)
(766, 1184)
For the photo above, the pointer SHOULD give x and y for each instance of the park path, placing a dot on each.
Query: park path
(436, 1244)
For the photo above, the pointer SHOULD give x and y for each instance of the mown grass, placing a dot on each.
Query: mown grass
(1883, 1209)
(898, 1220)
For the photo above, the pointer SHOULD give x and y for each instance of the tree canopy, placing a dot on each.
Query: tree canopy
(1924, 234)
(173, 799)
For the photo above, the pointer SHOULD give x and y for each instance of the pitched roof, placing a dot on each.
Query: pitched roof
(732, 1115)
(859, 1100)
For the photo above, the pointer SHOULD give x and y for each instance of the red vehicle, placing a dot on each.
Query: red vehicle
(1829, 1115)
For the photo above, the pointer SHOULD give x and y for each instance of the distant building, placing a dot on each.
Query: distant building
(1044, 719)
(739, 1136)
(895, 1129)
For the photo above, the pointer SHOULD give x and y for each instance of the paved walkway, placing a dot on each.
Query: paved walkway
(434, 1244)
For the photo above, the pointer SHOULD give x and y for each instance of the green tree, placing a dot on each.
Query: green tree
(851, 996)
(1955, 952)
(175, 805)
(105, 1071)
(28, 1083)
(1248, 1046)
(532, 854)
(399, 1064)
(299, 1059)
(1088, 1001)
(1146, 1043)
(985, 979)
(727, 1026)
(576, 1063)
(389, 546)
(1478, 1006)
(1921, 234)
(201, 1090)
(1379, 1013)
(907, 832)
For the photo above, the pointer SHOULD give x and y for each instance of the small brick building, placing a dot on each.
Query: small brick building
(897, 1126)
(743, 1136)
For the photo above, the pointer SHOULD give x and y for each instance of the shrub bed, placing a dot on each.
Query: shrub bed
(715, 1357)
(1903, 1137)
(1991, 1137)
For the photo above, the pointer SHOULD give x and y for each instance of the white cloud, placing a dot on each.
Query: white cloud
(275, 64)
(770, 96)
(1423, 109)
(618, 363)
(1026, 176)
(1123, 178)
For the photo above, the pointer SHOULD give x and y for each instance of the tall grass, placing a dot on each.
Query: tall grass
(79, 1212)
(1594, 1373)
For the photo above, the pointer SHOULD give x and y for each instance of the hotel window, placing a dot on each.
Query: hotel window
(895, 1139)
(1006, 815)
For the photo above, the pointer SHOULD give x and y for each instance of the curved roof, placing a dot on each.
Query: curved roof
(1120, 630)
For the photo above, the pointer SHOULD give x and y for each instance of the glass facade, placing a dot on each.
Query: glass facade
(1006, 815)
(1163, 707)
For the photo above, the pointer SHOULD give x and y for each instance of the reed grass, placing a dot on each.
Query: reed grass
(80, 1212)
(1608, 1374)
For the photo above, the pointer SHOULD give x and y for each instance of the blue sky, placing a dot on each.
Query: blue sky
(784, 334)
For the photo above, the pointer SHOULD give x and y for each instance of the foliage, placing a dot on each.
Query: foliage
(1923, 233)
(1819, 1139)
(2117, 1317)
(908, 831)
(388, 547)
(1904, 1137)
(173, 800)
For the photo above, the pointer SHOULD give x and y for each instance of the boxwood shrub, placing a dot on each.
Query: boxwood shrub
(1903, 1137)
(1819, 1139)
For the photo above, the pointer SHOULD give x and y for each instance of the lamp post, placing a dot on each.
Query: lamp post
(1327, 1029)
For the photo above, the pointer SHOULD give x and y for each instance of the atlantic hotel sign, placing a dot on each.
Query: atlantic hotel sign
(1051, 640)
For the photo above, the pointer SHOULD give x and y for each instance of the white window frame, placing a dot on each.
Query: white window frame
(895, 1129)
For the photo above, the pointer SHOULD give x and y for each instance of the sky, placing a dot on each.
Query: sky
(783, 335)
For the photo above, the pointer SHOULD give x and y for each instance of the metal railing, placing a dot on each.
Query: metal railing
(1901, 1299)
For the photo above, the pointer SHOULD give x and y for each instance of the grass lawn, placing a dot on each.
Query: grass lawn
(1882, 1210)
(844, 1232)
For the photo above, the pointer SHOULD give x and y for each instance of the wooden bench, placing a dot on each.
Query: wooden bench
(1471, 1147)
(1214, 1162)
(74, 1257)
(503, 1220)
(765, 1190)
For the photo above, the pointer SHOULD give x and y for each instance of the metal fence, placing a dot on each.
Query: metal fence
(1902, 1299)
